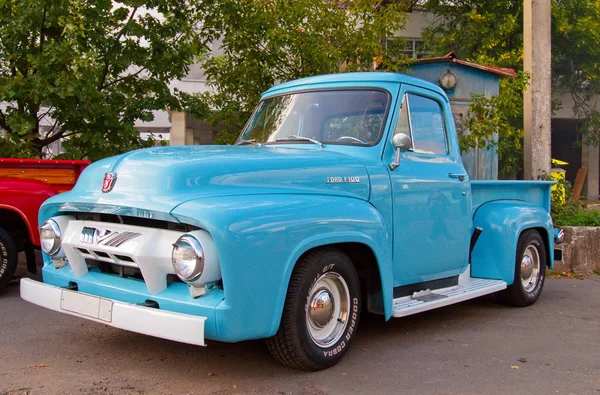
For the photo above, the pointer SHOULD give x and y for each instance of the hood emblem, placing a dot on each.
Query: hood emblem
(109, 182)
(346, 179)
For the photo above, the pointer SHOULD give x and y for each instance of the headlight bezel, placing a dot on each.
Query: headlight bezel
(192, 244)
(51, 225)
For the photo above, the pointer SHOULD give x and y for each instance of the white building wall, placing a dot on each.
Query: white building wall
(567, 104)
(417, 21)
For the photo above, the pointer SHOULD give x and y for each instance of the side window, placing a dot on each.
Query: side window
(427, 125)
(403, 124)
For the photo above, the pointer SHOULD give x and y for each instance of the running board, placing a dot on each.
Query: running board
(429, 300)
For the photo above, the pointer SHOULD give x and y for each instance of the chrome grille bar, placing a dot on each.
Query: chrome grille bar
(120, 238)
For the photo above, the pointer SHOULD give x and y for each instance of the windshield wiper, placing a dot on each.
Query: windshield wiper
(251, 141)
(293, 137)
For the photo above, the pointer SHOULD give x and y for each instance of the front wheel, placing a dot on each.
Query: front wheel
(530, 271)
(321, 312)
(8, 258)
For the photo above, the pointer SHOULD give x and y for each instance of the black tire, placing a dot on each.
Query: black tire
(294, 345)
(518, 294)
(8, 258)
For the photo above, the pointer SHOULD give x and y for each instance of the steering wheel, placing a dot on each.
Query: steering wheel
(351, 138)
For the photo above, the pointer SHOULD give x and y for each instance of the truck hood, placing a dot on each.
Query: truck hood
(159, 179)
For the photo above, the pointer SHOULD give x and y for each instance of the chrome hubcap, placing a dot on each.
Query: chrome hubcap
(321, 308)
(328, 307)
(530, 268)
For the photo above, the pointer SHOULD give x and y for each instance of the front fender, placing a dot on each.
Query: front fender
(502, 222)
(24, 198)
(260, 238)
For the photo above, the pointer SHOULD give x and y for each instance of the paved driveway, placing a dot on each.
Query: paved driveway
(474, 347)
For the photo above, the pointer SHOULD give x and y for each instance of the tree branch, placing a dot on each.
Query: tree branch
(52, 128)
(42, 37)
(124, 78)
(41, 116)
(117, 39)
(69, 134)
(281, 60)
(50, 139)
(4, 123)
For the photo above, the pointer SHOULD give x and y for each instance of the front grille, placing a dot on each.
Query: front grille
(124, 258)
(114, 268)
(123, 271)
(93, 254)
(110, 248)
(136, 221)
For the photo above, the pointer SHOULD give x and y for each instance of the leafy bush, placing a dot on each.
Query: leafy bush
(578, 218)
(572, 212)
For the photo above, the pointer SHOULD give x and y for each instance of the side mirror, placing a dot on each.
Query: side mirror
(401, 143)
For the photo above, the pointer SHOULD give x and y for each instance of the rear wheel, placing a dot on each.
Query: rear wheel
(8, 258)
(321, 312)
(530, 271)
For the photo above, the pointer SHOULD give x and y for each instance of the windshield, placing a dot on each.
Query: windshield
(351, 117)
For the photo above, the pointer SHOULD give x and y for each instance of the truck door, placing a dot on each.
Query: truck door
(431, 193)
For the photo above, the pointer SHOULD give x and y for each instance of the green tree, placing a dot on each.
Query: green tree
(264, 42)
(91, 68)
(487, 32)
(576, 59)
(491, 32)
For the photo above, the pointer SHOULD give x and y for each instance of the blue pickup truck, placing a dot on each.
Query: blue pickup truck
(344, 194)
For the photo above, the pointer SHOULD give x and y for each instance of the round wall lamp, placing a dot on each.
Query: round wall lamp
(448, 80)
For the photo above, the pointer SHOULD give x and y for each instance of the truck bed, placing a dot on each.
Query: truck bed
(61, 174)
(534, 192)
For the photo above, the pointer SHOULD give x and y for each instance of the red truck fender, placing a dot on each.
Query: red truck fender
(24, 198)
(24, 185)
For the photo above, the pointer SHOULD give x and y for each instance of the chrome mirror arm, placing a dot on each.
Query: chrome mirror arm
(396, 161)
(401, 142)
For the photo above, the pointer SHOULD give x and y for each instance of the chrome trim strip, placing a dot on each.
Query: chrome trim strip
(120, 238)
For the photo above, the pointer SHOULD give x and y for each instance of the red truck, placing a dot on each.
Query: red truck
(24, 185)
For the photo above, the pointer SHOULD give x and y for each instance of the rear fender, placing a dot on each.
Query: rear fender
(260, 238)
(503, 222)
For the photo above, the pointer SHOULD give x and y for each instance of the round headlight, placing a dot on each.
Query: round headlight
(188, 258)
(50, 237)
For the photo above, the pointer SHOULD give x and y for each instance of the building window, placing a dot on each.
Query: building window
(414, 48)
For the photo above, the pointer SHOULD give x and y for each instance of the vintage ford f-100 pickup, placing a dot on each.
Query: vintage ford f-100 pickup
(343, 193)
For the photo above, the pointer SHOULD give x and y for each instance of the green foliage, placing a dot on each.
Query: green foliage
(483, 31)
(571, 212)
(90, 68)
(500, 114)
(487, 32)
(572, 215)
(265, 42)
(223, 112)
(491, 32)
(575, 60)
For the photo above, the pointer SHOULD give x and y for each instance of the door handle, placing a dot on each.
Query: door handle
(461, 177)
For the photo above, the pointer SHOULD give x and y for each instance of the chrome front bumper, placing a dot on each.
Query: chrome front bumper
(178, 327)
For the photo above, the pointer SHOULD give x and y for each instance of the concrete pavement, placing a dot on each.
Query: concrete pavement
(473, 347)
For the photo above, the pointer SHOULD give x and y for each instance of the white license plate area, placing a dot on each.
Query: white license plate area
(86, 305)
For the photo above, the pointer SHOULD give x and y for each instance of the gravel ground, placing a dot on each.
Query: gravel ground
(474, 347)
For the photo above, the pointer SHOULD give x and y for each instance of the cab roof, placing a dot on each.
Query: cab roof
(374, 77)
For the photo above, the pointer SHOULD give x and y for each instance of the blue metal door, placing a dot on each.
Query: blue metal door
(431, 192)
